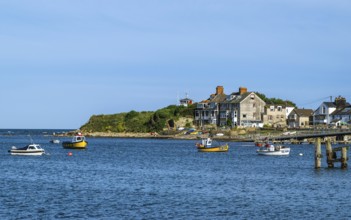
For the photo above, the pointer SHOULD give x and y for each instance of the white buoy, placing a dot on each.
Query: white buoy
(301, 154)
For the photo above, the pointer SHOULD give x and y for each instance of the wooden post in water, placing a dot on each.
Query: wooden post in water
(318, 153)
(344, 158)
(329, 152)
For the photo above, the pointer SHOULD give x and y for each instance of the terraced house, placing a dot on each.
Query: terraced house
(276, 115)
(300, 118)
(207, 111)
(240, 108)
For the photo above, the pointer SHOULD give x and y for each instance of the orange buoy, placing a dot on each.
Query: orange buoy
(69, 154)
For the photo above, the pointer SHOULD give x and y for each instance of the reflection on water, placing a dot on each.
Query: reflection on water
(158, 179)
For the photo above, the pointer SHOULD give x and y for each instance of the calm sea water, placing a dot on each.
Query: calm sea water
(166, 179)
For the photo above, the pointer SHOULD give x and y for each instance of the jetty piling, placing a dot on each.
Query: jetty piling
(344, 158)
(331, 153)
(318, 153)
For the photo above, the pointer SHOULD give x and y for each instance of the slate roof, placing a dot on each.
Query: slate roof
(303, 112)
(215, 98)
(330, 104)
(218, 98)
(237, 98)
(343, 111)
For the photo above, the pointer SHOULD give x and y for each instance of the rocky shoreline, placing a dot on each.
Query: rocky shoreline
(157, 136)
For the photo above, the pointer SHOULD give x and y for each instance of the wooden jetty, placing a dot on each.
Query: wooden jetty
(316, 138)
(301, 137)
(331, 154)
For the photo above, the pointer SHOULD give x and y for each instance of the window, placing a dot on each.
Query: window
(279, 108)
(252, 96)
(244, 115)
(323, 110)
(200, 105)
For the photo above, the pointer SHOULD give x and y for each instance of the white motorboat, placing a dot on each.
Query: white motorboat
(31, 150)
(55, 141)
(271, 150)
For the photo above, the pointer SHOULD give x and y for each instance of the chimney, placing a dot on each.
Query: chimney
(242, 90)
(219, 90)
(340, 102)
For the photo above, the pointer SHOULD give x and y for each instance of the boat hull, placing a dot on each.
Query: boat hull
(223, 148)
(74, 145)
(281, 152)
(27, 153)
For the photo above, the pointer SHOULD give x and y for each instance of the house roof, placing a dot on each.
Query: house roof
(329, 104)
(343, 111)
(237, 98)
(303, 112)
(215, 98)
(218, 98)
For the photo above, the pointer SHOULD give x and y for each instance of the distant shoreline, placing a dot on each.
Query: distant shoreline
(156, 136)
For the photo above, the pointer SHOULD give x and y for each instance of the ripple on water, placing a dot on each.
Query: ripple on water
(159, 179)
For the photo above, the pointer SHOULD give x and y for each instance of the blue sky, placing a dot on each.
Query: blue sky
(63, 61)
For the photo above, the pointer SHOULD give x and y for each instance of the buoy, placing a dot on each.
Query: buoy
(69, 154)
(301, 154)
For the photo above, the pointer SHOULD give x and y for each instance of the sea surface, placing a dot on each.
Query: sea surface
(116, 178)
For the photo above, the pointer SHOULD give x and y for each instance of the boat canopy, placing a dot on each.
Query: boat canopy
(78, 138)
(207, 142)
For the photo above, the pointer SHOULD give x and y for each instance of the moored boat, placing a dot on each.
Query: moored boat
(78, 142)
(271, 150)
(30, 150)
(55, 141)
(206, 146)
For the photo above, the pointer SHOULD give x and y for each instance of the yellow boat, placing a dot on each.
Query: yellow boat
(206, 146)
(78, 142)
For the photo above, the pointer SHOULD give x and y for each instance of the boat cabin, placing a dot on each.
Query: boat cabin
(206, 142)
(78, 138)
(33, 147)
